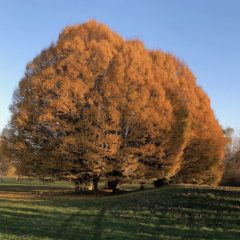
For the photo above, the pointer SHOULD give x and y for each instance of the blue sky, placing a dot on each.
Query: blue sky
(203, 33)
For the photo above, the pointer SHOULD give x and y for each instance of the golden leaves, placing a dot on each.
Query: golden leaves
(100, 97)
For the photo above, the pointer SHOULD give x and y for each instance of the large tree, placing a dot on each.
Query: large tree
(96, 105)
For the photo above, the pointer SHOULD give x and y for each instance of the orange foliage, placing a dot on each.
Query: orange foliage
(95, 103)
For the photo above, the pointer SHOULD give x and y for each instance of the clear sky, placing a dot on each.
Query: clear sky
(203, 33)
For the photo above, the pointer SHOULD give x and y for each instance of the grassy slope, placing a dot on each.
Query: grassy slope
(167, 213)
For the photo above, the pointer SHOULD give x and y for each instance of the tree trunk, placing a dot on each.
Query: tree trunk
(76, 185)
(17, 177)
(95, 182)
(113, 185)
(142, 186)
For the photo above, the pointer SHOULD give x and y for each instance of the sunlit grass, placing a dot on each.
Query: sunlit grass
(183, 212)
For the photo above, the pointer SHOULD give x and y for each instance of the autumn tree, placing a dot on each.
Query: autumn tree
(231, 176)
(95, 105)
(4, 165)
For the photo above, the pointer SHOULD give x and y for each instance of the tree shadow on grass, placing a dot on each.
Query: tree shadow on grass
(154, 214)
(29, 189)
(98, 224)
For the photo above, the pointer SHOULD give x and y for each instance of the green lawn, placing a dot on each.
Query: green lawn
(27, 211)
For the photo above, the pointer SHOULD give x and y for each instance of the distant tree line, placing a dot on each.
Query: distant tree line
(231, 176)
(94, 106)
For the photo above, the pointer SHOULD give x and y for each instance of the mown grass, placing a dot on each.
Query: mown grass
(174, 212)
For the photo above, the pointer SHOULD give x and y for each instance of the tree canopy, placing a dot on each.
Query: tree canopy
(96, 105)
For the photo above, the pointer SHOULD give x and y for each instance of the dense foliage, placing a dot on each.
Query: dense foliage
(95, 105)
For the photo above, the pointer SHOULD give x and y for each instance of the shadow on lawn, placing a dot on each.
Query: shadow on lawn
(29, 189)
(180, 213)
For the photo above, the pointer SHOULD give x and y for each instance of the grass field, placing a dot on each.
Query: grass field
(29, 211)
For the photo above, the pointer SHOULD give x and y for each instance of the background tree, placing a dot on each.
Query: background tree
(231, 176)
(4, 164)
